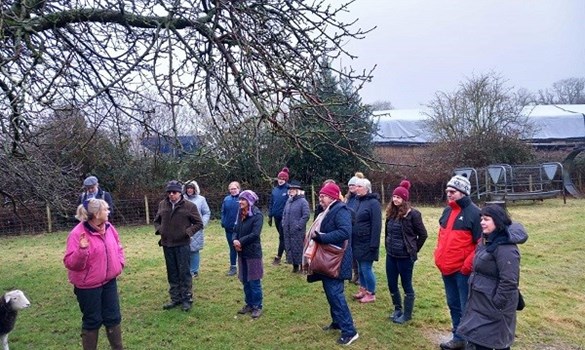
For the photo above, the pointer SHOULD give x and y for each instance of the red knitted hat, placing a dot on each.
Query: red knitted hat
(402, 190)
(331, 190)
(283, 174)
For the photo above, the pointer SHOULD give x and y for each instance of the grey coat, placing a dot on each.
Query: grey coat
(294, 224)
(198, 239)
(490, 315)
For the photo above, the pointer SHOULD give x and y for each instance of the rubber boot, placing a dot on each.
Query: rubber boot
(89, 338)
(397, 302)
(408, 306)
(115, 337)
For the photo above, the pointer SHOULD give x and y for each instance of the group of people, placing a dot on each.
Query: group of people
(476, 253)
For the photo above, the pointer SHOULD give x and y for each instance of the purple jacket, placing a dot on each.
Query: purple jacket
(97, 264)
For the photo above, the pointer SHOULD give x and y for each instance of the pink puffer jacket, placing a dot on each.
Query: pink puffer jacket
(97, 264)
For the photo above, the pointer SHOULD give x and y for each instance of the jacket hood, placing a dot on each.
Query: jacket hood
(517, 233)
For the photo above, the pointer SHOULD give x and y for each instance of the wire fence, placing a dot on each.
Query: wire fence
(39, 218)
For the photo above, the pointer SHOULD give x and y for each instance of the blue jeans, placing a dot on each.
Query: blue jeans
(253, 293)
(456, 290)
(399, 267)
(367, 277)
(233, 253)
(99, 306)
(340, 314)
(195, 262)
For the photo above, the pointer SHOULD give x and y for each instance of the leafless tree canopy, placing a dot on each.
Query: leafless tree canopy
(218, 58)
(483, 105)
(565, 91)
(479, 123)
(105, 54)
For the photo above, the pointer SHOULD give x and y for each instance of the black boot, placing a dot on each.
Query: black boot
(115, 337)
(89, 338)
(295, 268)
(408, 306)
(397, 302)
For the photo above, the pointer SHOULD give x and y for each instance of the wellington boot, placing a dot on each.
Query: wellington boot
(397, 302)
(115, 337)
(408, 307)
(89, 338)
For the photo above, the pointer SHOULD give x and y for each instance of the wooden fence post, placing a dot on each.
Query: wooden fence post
(313, 197)
(49, 222)
(383, 193)
(147, 210)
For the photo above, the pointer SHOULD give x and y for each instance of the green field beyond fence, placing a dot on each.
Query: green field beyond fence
(552, 282)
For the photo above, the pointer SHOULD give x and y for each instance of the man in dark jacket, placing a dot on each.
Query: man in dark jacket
(278, 200)
(459, 233)
(176, 221)
(93, 190)
(335, 228)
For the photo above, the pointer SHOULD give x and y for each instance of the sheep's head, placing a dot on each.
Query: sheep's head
(16, 299)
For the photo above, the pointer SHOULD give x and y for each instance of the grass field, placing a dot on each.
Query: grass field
(552, 282)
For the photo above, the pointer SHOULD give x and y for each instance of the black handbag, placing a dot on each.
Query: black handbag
(521, 303)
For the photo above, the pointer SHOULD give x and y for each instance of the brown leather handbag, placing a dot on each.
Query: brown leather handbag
(327, 259)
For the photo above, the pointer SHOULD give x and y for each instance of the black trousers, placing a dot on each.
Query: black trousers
(278, 223)
(179, 273)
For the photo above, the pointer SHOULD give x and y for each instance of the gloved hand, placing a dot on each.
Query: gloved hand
(270, 221)
(317, 237)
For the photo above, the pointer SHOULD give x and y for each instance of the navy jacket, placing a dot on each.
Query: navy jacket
(335, 229)
(278, 200)
(367, 228)
(248, 233)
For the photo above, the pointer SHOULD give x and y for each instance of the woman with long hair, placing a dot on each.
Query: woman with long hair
(405, 234)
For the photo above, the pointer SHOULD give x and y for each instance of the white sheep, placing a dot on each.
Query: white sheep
(10, 303)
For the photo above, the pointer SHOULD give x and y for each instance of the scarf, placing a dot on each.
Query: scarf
(309, 246)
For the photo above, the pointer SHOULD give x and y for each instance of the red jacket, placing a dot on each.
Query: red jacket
(459, 233)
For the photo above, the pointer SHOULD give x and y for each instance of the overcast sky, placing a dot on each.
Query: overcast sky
(422, 46)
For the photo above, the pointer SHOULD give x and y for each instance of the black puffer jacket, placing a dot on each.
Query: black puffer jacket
(414, 233)
(366, 230)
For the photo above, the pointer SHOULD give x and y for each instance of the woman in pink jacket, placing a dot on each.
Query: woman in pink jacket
(94, 258)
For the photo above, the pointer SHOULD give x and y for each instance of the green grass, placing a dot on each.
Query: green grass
(552, 281)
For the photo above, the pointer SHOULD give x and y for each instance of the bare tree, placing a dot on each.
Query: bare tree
(479, 123)
(381, 105)
(104, 56)
(565, 91)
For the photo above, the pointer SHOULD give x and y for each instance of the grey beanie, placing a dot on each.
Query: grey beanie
(461, 184)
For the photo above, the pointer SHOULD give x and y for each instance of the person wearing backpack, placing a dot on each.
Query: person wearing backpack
(92, 190)
(489, 320)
